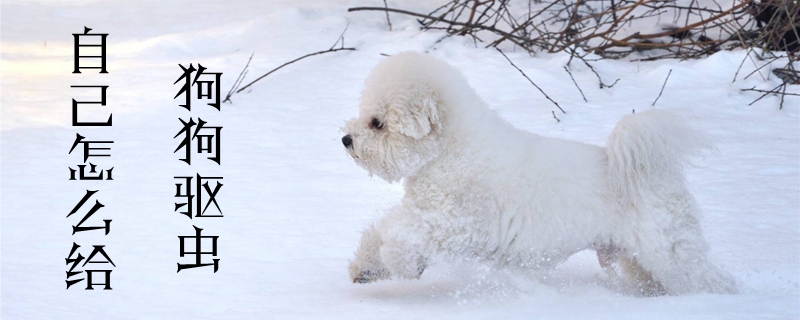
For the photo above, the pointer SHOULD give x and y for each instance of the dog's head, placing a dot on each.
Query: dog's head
(399, 124)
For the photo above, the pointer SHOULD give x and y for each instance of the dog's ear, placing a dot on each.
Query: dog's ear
(421, 115)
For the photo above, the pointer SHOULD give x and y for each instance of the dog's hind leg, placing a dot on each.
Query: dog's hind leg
(646, 155)
(677, 256)
(619, 266)
(608, 255)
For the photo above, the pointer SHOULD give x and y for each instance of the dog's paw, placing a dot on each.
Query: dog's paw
(368, 276)
(367, 271)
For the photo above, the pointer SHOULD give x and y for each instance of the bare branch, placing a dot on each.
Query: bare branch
(342, 48)
(239, 80)
(386, 5)
(662, 87)
(576, 84)
(531, 81)
(290, 62)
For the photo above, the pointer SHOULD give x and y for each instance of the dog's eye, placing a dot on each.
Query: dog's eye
(376, 124)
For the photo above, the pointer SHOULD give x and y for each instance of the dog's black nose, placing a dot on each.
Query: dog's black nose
(347, 141)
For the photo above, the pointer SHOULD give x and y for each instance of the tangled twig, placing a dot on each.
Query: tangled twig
(606, 27)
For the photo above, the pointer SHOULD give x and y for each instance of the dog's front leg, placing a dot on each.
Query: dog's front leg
(367, 265)
(405, 237)
(395, 246)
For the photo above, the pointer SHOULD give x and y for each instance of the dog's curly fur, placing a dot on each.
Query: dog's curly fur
(476, 186)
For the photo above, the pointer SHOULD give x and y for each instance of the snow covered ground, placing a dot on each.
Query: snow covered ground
(295, 204)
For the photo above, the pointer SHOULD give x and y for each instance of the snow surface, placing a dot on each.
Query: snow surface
(295, 204)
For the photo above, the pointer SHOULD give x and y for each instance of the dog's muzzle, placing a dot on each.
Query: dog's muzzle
(347, 141)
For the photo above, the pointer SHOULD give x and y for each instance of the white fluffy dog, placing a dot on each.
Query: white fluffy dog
(477, 187)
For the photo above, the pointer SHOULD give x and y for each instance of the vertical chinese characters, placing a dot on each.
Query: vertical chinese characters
(197, 194)
(90, 53)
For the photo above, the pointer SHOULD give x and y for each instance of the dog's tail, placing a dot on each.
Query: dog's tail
(647, 152)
